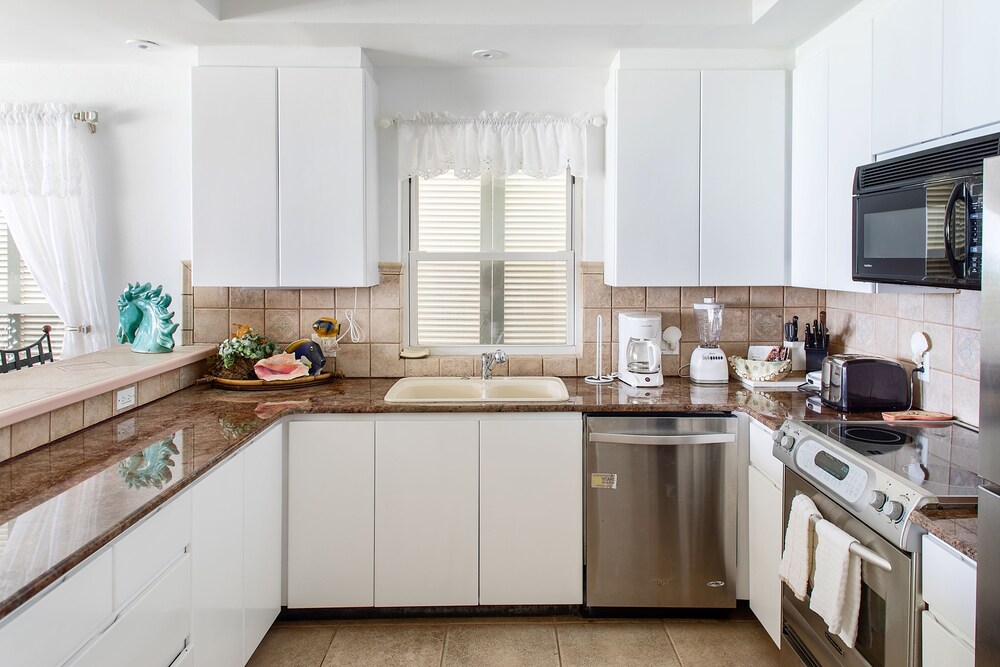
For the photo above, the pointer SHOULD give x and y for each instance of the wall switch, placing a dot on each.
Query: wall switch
(125, 398)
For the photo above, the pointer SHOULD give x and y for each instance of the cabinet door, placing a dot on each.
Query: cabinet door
(331, 514)
(850, 97)
(262, 520)
(653, 226)
(235, 176)
(809, 172)
(765, 552)
(322, 178)
(906, 75)
(531, 512)
(743, 177)
(971, 77)
(939, 647)
(217, 566)
(426, 513)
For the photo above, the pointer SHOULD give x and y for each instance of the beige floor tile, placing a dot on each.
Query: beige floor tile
(291, 646)
(731, 643)
(502, 645)
(389, 645)
(618, 644)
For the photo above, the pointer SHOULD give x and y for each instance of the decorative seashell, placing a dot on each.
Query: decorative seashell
(326, 327)
(280, 367)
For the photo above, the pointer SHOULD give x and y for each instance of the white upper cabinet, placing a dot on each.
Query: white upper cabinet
(849, 146)
(651, 180)
(235, 188)
(810, 93)
(907, 75)
(971, 76)
(743, 177)
(284, 162)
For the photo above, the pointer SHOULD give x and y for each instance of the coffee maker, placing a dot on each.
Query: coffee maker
(639, 349)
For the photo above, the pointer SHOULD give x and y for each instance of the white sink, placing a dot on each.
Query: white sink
(474, 390)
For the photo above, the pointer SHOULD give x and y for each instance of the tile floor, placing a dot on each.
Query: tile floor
(513, 642)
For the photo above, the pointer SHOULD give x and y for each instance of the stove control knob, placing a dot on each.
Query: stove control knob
(877, 499)
(777, 436)
(893, 510)
(786, 443)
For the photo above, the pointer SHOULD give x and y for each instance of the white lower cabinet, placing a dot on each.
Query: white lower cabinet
(331, 514)
(263, 483)
(939, 646)
(949, 589)
(765, 530)
(152, 630)
(530, 512)
(426, 513)
(217, 574)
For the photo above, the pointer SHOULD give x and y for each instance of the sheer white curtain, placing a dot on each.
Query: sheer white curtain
(46, 196)
(539, 146)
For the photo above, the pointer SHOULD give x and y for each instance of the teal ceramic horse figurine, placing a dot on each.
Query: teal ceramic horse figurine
(143, 319)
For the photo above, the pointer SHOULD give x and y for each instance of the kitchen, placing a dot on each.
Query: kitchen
(757, 139)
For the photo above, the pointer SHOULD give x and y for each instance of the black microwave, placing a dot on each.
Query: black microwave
(918, 219)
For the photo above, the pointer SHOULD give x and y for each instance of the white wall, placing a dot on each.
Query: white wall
(140, 162)
(467, 91)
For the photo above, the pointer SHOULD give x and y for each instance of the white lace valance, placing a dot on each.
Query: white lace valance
(35, 156)
(539, 146)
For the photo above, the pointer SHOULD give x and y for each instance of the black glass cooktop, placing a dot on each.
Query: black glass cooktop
(942, 457)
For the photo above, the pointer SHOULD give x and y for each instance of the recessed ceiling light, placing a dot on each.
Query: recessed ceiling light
(142, 44)
(488, 54)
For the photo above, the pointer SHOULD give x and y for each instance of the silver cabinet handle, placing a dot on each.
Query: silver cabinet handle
(683, 439)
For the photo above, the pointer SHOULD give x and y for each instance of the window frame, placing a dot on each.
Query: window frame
(409, 192)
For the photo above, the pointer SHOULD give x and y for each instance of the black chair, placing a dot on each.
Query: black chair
(37, 353)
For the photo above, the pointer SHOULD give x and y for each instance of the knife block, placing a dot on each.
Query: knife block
(814, 358)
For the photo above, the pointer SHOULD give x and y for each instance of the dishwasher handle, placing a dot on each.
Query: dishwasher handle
(678, 439)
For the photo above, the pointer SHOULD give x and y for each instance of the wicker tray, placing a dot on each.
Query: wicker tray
(261, 385)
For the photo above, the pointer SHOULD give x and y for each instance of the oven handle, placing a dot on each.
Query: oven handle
(864, 553)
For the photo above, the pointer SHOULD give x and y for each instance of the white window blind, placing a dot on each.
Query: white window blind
(491, 261)
(23, 308)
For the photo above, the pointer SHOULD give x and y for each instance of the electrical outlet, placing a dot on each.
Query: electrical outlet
(125, 398)
(925, 375)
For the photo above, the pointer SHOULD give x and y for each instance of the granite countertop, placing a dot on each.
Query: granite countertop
(62, 502)
(953, 525)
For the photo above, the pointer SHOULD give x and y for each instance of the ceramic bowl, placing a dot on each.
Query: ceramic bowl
(760, 371)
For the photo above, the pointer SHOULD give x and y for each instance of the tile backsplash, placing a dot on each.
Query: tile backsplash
(884, 323)
(754, 315)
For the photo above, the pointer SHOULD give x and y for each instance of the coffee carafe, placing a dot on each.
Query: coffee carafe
(639, 360)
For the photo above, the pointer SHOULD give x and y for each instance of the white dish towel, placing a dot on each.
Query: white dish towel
(796, 559)
(836, 593)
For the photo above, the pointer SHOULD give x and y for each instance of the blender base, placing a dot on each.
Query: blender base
(709, 366)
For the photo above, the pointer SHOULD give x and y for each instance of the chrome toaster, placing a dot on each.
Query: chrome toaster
(858, 383)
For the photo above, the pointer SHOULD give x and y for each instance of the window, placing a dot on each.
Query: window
(23, 309)
(491, 262)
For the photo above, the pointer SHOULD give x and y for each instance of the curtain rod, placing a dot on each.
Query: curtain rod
(597, 120)
(89, 117)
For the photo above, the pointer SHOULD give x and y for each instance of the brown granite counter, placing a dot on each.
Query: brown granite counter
(64, 501)
(953, 525)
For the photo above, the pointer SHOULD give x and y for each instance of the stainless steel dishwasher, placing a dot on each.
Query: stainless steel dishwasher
(661, 511)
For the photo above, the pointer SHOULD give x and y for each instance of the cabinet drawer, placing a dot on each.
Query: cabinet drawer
(51, 628)
(949, 582)
(150, 547)
(761, 457)
(940, 647)
(153, 630)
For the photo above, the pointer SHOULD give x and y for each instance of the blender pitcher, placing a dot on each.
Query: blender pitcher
(708, 319)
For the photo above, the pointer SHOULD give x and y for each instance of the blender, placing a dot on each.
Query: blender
(708, 361)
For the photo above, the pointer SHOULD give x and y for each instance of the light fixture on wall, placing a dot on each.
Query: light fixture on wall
(488, 54)
(142, 44)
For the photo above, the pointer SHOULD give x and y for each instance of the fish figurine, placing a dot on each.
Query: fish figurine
(309, 350)
(326, 327)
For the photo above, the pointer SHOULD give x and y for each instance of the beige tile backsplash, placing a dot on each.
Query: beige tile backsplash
(884, 323)
(753, 315)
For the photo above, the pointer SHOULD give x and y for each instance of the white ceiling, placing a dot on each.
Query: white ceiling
(405, 32)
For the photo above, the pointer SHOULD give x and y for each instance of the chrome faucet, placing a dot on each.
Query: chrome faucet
(491, 359)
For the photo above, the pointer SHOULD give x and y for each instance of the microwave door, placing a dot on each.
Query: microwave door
(893, 237)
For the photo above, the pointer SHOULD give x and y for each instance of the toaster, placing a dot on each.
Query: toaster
(858, 382)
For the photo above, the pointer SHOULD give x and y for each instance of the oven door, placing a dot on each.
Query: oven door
(914, 235)
(887, 620)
